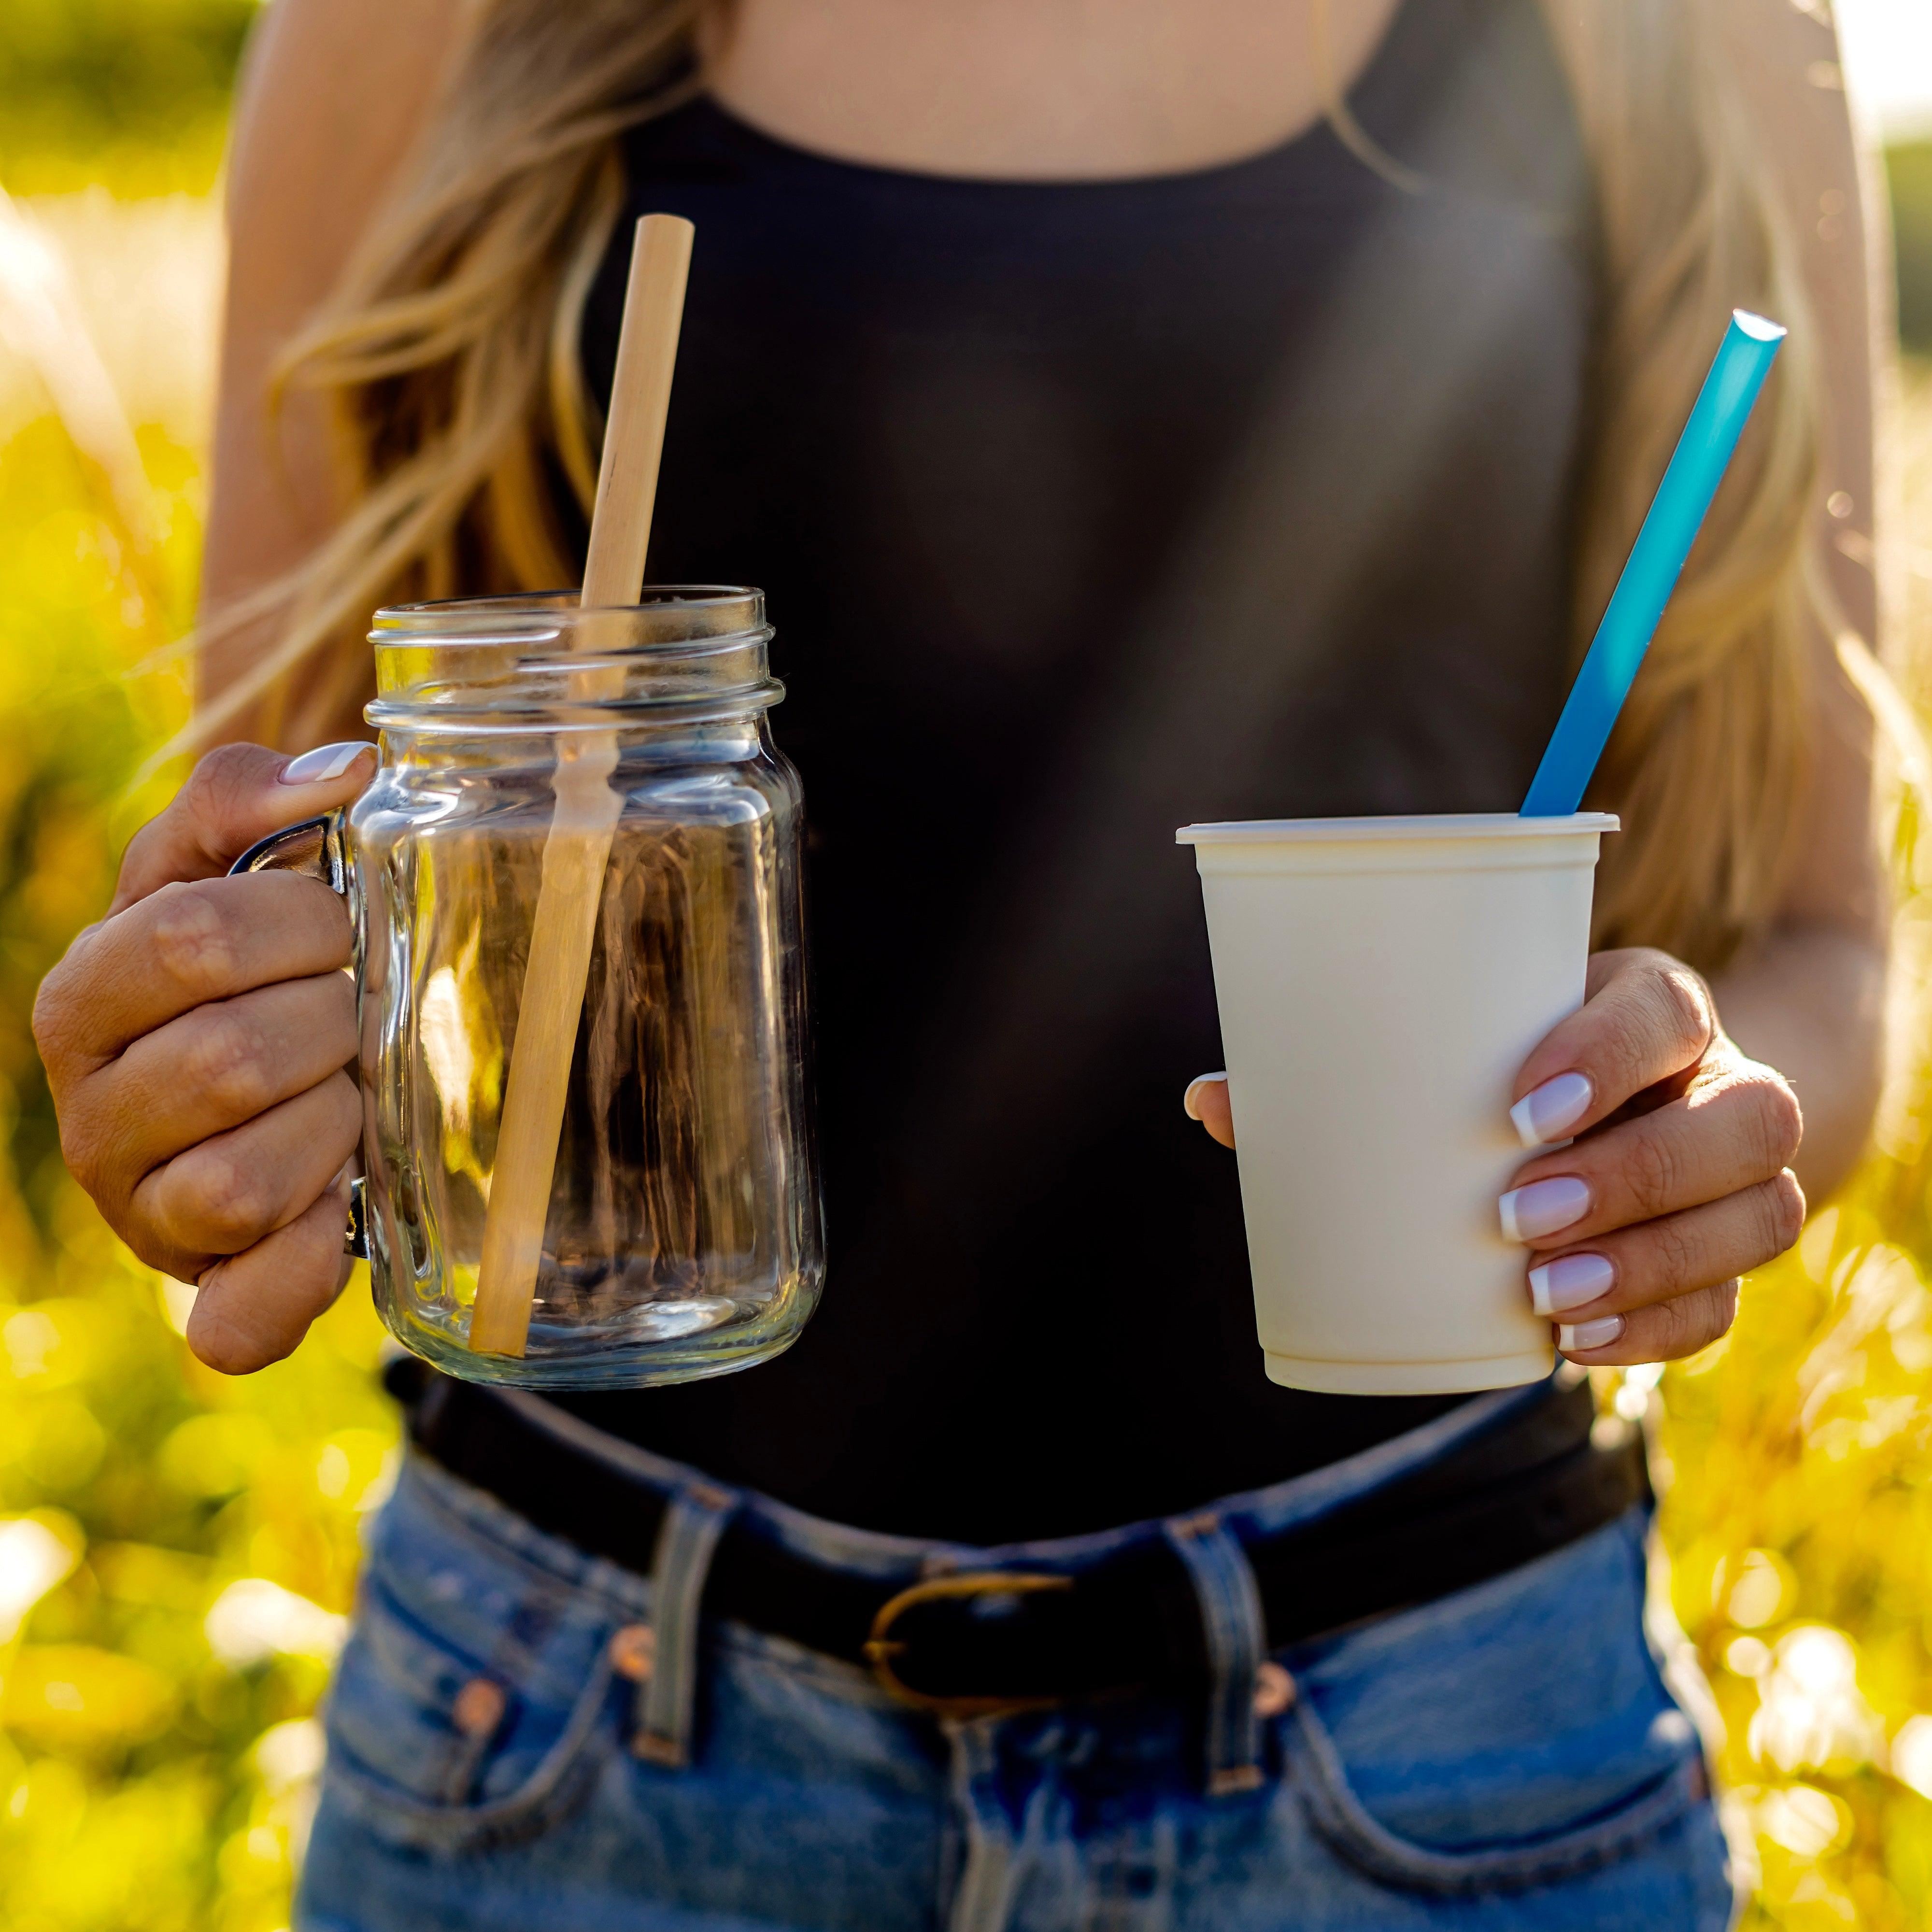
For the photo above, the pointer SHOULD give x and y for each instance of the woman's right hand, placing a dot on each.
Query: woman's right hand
(196, 1041)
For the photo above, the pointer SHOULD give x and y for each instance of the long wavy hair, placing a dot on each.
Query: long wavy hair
(449, 351)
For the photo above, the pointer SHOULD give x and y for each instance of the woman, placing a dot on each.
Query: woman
(1229, 411)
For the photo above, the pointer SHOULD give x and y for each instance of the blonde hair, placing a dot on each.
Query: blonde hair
(1708, 763)
(451, 350)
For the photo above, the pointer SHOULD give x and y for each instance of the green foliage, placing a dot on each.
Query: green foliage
(131, 93)
(1795, 1465)
(1908, 171)
(156, 1728)
(1799, 1520)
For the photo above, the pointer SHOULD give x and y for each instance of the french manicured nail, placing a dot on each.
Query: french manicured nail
(1190, 1101)
(1541, 1208)
(324, 763)
(1548, 1112)
(1574, 1337)
(1568, 1282)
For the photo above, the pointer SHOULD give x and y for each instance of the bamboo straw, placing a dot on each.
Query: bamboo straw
(578, 848)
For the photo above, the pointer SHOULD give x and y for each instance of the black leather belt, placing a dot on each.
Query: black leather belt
(1530, 1485)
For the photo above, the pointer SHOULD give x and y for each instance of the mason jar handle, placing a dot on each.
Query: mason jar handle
(317, 848)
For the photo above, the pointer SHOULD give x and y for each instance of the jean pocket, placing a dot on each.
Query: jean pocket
(1604, 1835)
(1515, 1736)
(432, 1747)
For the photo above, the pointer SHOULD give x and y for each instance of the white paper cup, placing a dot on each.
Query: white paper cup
(1381, 981)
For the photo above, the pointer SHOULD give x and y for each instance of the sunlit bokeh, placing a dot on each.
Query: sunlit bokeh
(178, 1551)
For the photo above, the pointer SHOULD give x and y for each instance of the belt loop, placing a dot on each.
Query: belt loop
(692, 1525)
(1231, 1620)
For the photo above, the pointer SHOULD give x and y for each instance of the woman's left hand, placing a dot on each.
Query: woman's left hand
(1678, 1181)
(1675, 1184)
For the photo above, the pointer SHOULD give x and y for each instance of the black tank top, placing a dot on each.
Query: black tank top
(1086, 510)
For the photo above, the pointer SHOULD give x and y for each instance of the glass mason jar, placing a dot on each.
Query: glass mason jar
(683, 1236)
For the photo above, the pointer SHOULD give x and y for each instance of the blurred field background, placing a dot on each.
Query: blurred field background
(177, 1552)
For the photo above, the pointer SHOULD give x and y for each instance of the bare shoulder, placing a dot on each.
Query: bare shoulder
(332, 95)
(1783, 58)
(1783, 55)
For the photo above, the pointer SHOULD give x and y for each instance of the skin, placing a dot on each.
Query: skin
(195, 1038)
(1685, 1149)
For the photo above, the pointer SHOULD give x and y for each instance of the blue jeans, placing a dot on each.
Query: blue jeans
(526, 1738)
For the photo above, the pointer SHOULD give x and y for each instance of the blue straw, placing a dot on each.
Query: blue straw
(1656, 561)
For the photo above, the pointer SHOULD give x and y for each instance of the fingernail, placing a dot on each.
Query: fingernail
(1548, 1112)
(324, 763)
(1573, 1336)
(1568, 1282)
(1194, 1087)
(1542, 1207)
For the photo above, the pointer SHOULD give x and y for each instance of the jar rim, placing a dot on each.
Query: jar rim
(682, 648)
(436, 612)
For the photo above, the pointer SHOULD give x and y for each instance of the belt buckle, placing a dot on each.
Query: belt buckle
(880, 1649)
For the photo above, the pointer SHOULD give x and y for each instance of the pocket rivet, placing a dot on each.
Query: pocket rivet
(634, 1652)
(478, 1709)
(1274, 1691)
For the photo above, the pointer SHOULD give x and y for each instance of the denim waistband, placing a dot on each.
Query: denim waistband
(1251, 1514)
(1210, 1543)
